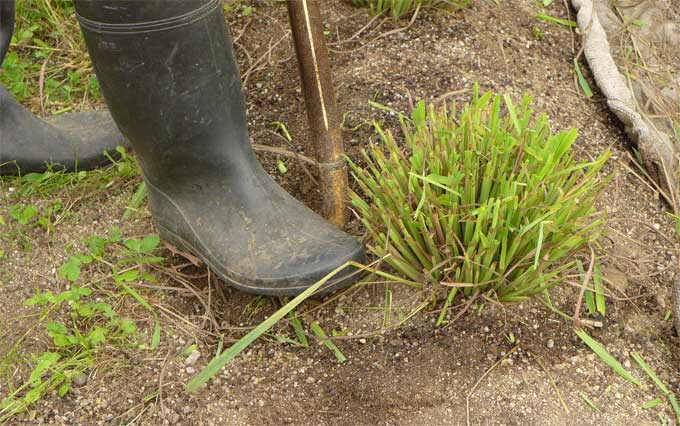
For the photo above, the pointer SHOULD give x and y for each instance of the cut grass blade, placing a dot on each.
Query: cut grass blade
(447, 304)
(657, 381)
(299, 330)
(606, 357)
(652, 403)
(137, 199)
(220, 361)
(321, 334)
(599, 291)
(565, 22)
(156, 337)
(585, 86)
(587, 400)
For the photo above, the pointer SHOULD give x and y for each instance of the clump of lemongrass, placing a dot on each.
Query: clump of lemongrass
(400, 8)
(484, 199)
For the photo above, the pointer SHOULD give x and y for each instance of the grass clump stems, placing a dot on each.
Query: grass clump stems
(486, 199)
(400, 8)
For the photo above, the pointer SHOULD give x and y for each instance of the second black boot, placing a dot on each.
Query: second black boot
(74, 141)
(168, 74)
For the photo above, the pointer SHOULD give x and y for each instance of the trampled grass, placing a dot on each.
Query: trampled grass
(485, 199)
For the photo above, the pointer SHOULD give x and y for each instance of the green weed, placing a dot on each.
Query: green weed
(481, 200)
(81, 321)
(62, 190)
(548, 18)
(92, 326)
(56, 180)
(400, 8)
(48, 56)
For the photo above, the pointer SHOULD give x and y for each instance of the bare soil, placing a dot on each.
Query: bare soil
(495, 365)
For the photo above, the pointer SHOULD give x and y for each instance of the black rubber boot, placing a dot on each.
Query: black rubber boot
(75, 141)
(168, 74)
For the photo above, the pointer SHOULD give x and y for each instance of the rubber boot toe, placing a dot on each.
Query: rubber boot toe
(72, 141)
(261, 240)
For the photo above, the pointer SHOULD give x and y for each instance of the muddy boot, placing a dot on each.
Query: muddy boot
(74, 141)
(168, 74)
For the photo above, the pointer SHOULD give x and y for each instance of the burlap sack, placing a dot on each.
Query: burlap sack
(633, 49)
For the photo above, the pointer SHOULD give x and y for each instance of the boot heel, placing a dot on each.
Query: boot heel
(174, 239)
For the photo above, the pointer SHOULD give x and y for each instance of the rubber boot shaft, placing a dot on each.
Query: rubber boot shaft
(172, 88)
(172, 84)
(133, 12)
(6, 26)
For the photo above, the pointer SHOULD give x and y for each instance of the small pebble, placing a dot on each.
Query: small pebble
(173, 418)
(80, 380)
(551, 344)
(192, 358)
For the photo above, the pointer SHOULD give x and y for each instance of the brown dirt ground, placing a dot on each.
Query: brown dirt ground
(415, 374)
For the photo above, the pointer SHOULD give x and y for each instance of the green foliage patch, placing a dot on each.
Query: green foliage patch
(82, 322)
(48, 57)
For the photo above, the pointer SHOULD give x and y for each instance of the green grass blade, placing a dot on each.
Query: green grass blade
(652, 403)
(606, 357)
(599, 291)
(587, 400)
(299, 330)
(316, 328)
(156, 337)
(220, 361)
(445, 308)
(565, 22)
(132, 292)
(537, 257)
(585, 86)
(588, 294)
(136, 201)
(513, 113)
(657, 381)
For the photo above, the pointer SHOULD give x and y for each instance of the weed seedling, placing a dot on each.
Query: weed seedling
(81, 321)
(91, 326)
